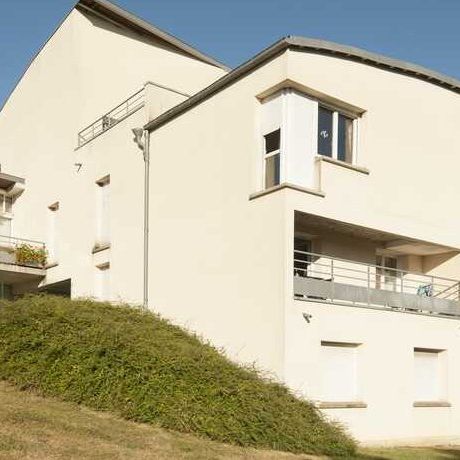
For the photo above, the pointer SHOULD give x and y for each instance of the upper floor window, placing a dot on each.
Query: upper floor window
(335, 134)
(6, 204)
(272, 158)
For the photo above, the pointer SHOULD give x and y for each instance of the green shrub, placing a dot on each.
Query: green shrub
(143, 368)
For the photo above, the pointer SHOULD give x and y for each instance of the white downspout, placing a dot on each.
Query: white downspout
(142, 139)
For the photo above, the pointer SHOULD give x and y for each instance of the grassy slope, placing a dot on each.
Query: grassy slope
(144, 369)
(32, 427)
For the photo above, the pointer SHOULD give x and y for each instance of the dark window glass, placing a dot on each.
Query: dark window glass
(345, 139)
(272, 141)
(272, 171)
(325, 132)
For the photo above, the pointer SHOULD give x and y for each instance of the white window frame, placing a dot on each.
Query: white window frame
(335, 131)
(439, 378)
(354, 349)
(3, 205)
(272, 154)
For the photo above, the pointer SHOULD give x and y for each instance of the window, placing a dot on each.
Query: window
(386, 273)
(272, 158)
(6, 204)
(102, 282)
(339, 371)
(52, 233)
(325, 131)
(335, 134)
(103, 212)
(429, 375)
(302, 260)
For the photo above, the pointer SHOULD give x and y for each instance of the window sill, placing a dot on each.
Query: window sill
(432, 404)
(343, 164)
(51, 265)
(100, 247)
(342, 405)
(286, 185)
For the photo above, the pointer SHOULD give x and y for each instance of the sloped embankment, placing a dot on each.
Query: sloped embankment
(138, 366)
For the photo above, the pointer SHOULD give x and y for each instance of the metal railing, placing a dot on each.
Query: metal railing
(332, 279)
(112, 118)
(9, 247)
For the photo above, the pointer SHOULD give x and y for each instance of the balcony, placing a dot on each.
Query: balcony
(22, 263)
(112, 118)
(322, 278)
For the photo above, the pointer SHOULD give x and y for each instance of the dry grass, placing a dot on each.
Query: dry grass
(32, 427)
(35, 428)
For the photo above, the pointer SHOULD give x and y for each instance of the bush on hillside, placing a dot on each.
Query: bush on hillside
(145, 369)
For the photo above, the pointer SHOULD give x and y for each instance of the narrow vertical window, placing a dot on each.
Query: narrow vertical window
(102, 282)
(325, 131)
(272, 158)
(53, 211)
(345, 139)
(103, 212)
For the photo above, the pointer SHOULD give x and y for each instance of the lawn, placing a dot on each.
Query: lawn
(32, 427)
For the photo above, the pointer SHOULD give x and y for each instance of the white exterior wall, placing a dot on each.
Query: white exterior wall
(385, 374)
(88, 67)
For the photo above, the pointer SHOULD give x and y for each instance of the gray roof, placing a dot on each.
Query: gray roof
(123, 17)
(312, 46)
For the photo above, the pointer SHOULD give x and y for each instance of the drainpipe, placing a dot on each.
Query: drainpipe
(142, 139)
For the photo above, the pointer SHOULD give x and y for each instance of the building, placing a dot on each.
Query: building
(299, 208)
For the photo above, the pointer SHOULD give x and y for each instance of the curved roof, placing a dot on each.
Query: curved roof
(313, 46)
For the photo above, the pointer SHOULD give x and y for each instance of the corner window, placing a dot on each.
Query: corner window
(272, 158)
(335, 134)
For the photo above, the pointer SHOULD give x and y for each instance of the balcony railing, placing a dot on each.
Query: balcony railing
(329, 279)
(22, 252)
(112, 118)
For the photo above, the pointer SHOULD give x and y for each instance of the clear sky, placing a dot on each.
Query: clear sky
(425, 32)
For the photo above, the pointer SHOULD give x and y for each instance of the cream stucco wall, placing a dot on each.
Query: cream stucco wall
(88, 67)
(385, 369)
(221, 257)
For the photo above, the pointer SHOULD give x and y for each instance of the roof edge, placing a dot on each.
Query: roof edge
(315, 46)
(115, 12)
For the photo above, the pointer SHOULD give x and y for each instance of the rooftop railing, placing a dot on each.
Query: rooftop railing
(23, 252)
(112, 118)
(330, 279)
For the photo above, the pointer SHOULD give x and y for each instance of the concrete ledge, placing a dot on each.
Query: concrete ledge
(286, 185)
(343, 164)
(432, 404)
(51, 265)
(99, 248)
(342, 405)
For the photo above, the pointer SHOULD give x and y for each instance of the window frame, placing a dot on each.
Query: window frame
(355, 349)
(3, 207)
(336, 111)
(271, 155)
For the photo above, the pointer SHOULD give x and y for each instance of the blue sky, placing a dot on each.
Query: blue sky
(426, 32)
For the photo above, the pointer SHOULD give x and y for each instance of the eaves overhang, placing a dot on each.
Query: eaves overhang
(124, 18)
(312, 46)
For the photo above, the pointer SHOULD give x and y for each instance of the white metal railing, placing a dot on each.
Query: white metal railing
(110, 119)
(322, 277)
